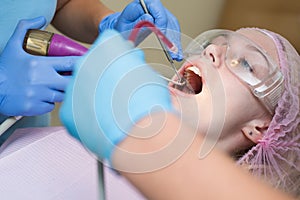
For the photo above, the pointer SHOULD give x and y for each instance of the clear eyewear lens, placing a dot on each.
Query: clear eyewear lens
(247, 61)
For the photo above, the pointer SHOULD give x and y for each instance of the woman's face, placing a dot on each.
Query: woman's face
(226, 108)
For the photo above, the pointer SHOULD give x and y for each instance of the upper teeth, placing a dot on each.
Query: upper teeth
(194, 69)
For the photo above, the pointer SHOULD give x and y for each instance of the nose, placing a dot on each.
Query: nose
(215, 54)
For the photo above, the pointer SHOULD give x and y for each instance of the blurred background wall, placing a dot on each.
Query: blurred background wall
(281, 16)
(196, 16)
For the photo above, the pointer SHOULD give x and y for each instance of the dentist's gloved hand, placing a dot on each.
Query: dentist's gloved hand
(134, 13)
(29, 85)
(112, 89)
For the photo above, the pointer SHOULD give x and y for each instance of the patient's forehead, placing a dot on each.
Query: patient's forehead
(264, 41)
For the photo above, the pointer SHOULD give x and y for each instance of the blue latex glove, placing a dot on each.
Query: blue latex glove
(112, 89)
(134, 13)
(29, 85)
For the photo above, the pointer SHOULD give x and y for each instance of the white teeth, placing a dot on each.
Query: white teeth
(194, 69)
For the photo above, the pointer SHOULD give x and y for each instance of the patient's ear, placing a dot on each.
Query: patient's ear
(255, 129)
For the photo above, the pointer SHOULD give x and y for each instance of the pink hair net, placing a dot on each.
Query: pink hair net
(276, 157)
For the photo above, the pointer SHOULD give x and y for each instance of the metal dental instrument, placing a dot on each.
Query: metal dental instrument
(181, 81)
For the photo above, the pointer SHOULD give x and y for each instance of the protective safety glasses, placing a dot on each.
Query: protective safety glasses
(246, 60)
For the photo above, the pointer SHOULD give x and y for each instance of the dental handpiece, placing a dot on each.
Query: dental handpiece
(44, 43)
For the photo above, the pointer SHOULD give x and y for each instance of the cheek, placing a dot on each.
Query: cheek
(238, 100)
(236, 93)
(240, 105)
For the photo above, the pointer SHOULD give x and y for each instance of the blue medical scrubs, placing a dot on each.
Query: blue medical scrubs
(11, 11)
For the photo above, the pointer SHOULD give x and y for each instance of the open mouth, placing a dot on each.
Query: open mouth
(193, 78)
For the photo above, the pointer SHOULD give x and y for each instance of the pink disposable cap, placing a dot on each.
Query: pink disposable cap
(276, 158)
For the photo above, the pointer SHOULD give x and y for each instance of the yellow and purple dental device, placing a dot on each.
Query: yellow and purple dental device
(44, 43)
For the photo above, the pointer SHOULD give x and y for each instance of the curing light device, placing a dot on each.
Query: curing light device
(45, 43)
